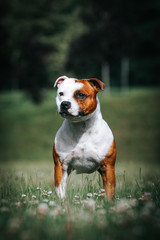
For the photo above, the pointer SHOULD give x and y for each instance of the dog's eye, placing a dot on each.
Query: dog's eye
(80, 95)
(61, 93)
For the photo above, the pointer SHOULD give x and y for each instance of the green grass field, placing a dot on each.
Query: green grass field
(29, 207)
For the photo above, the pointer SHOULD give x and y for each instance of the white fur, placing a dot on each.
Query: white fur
(61, 190)
(68, 87)
(59, 81)
(83, 142)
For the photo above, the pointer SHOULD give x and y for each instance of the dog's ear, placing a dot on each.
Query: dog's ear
(59, 81)
(97, 84)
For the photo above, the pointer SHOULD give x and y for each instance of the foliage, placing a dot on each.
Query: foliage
(33, 32)
(30, 209)
(41, 40)
(118, 29)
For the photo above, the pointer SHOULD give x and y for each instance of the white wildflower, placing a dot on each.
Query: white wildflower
(133, 202)
(34, 202)
(4, 209)
(17, 204)
(31, 212)
(102, 190)
(101, 194)
(101, 211)
(145, 197)
(76, 202)
(124, 204)
(56, 211)
(95, 194)
(89, 195)
(4, 201)
(151, 184)
(44, 194)
(76, 197)
(42, 208)
(52, 203)
(23, 195)
(90, 204)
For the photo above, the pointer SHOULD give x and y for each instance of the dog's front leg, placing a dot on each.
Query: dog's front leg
(60, 175)
(61, 184)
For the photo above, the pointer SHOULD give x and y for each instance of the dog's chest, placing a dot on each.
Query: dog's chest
(80, 154)
(79, 151)
(83, 151)
(83, 159)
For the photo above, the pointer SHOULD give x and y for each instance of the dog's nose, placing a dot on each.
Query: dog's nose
(65, 105)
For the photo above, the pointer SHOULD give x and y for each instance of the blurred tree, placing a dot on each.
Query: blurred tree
(31, 43)
(4, 50)
(118, 29)
(34, 74)
(35, 37)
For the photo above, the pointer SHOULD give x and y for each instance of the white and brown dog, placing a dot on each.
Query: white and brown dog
(84, 142)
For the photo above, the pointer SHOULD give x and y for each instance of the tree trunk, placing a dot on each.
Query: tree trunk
(106, 76)
(125, 74)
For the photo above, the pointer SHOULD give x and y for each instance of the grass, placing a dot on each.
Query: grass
(29, 207)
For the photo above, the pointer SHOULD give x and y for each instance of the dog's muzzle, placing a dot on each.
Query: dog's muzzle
(65, 105)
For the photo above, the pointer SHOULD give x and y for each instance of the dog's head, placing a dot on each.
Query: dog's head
(76, 99)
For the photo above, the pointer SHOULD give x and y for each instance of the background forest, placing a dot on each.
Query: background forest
(41, 40)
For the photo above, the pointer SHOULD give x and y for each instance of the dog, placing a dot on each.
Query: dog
(84, 142)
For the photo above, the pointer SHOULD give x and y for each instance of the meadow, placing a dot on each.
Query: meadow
(29, 207)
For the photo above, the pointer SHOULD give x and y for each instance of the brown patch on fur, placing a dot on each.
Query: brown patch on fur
(88, 104)
(58, 168)
(96, 83)
(107, 172)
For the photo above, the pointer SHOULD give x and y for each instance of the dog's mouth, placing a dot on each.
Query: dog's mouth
(65, 114)
(75, 118)
(68, 114)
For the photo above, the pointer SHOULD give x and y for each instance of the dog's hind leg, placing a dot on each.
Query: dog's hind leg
(107, 171)
(109, 181)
